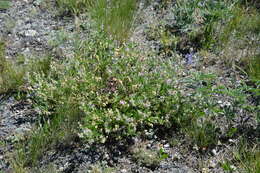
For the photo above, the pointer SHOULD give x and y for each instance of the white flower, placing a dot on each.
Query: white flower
(122, 102)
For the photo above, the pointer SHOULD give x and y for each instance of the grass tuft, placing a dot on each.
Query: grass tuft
(247, 157)
(5, 4)
(11, 75)
(114, 17)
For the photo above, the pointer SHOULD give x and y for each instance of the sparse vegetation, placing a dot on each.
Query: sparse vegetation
(245, 158)
(13, 73)
(146, 156)
(248, 157)
(99, 168)
(111, 91)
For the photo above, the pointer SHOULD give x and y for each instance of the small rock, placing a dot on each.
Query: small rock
(212, 164)
(166, 146)
(62, 168)
(30, 33)
(176, 156)
(214, 152)
(231, 141)
(123, 171)
(149, 145)
(205, 170)
(220, 102)
(233, 167)
(195, 147)
(27, 26)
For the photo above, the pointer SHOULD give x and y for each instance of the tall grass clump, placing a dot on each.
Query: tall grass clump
(58, 130)
(239, 38)
(114, 17)
(5, 4)
(247, 158)
(74, 6)
(11, 74)
(253, 68)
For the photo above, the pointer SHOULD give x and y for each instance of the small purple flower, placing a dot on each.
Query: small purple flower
(189, 58)
(122, 102)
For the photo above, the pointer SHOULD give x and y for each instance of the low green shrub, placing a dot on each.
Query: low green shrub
(117, 94)
(107, 91)
(121, 94)
(110, 91)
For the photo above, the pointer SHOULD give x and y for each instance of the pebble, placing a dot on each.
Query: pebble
(123, 171)
(176, 156)
(231, 141)
(166, 146)
(195, 147)
(205, 170)
(214, 152)
(212, 164)
(30, 33)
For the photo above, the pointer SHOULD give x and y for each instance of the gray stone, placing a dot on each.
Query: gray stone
(30, 33)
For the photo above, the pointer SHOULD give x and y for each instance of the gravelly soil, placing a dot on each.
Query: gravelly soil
(16, 120)
(28, 28)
